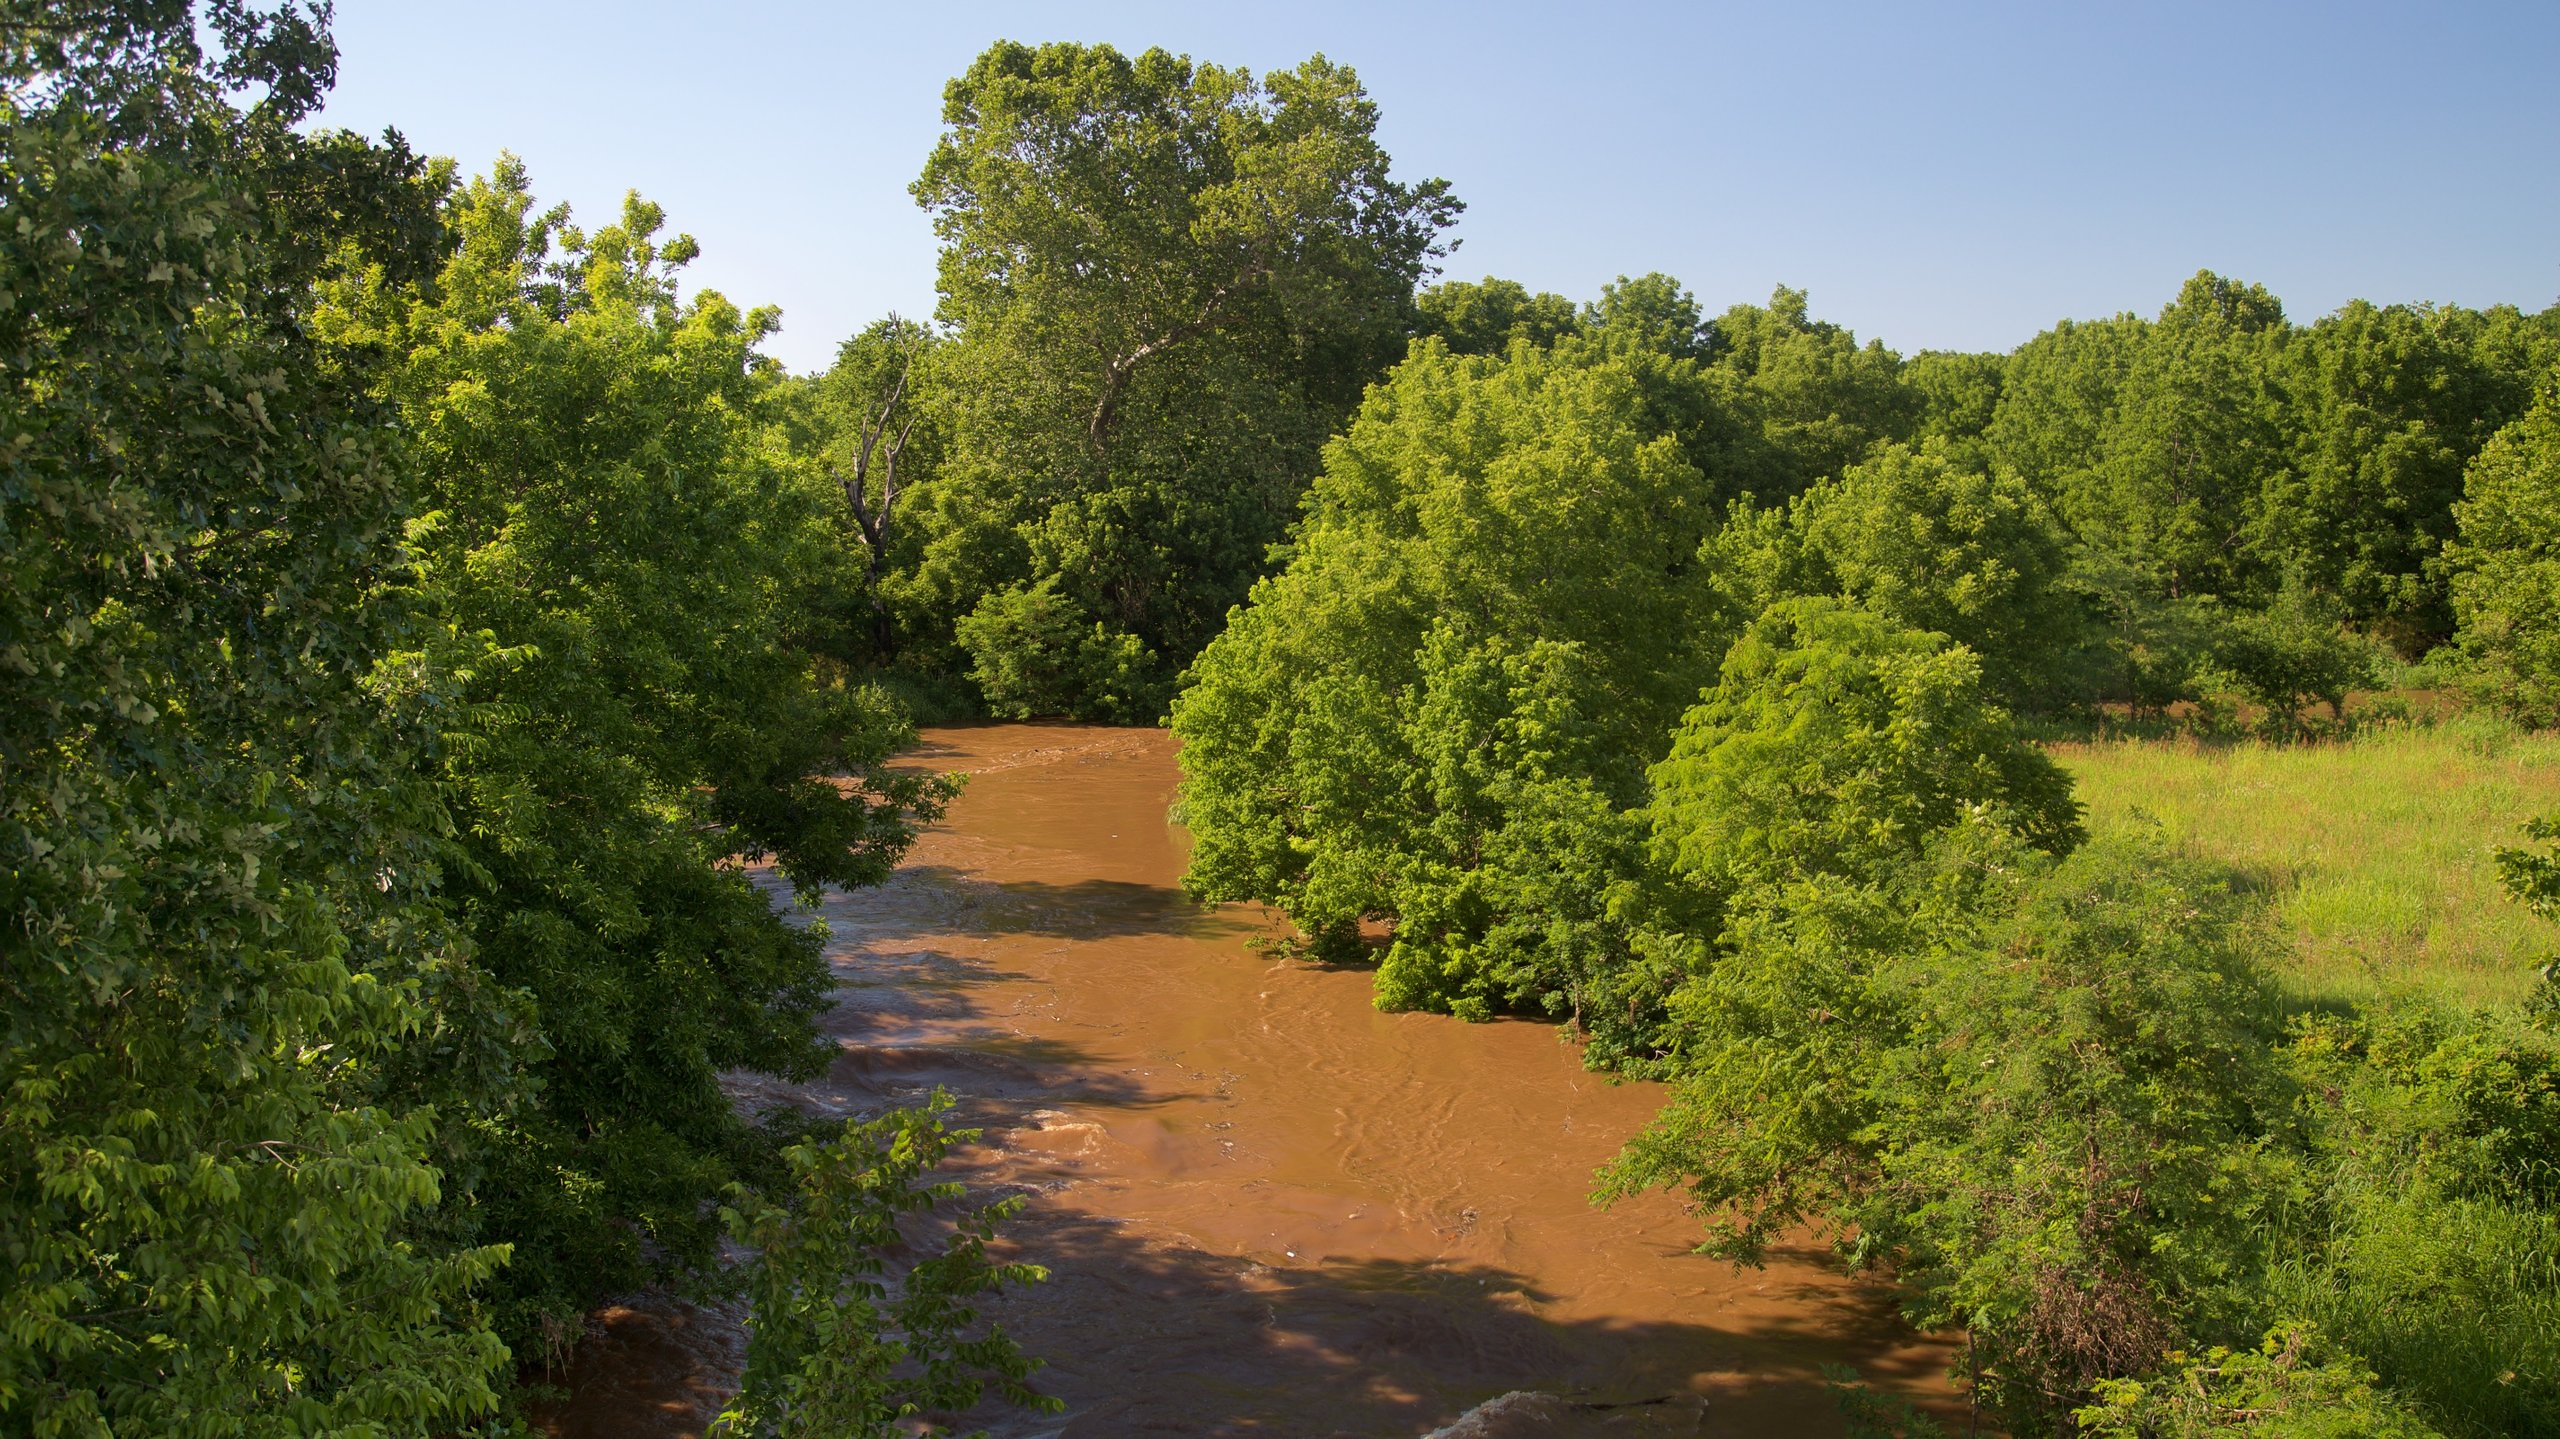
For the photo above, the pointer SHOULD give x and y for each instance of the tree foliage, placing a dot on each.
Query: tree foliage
(2505, 564)
(217, 846)
(1836, 741)
(2189, 439)
(2388, 402)
(1170, 282)
(610, 523)
(1039, 656)
(842, 1347)
(1819, 401)
(2023, 1083)
(1438, 713)
(877, 424)
(1488, 316)
(1938, 545)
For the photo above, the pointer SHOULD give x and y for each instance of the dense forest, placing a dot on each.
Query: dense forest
(439, 648)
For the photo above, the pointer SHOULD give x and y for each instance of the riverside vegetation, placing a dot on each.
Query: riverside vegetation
(416, 606)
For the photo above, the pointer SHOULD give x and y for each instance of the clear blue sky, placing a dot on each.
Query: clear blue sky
(1939, 176)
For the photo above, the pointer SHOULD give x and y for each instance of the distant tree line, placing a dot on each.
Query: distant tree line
(1115, 425)
(1166, 287)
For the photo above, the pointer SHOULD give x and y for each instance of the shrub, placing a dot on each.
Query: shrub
(2033, 1087)
(839, 1346)
(2290, 654)
(1035, 654)
(2276, 1391)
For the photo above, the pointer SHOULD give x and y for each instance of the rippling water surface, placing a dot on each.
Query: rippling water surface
(1269, 1209)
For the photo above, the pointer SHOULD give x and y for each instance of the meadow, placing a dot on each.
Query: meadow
(2375, 851)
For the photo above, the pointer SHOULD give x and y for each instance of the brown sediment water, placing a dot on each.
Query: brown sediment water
(1268, 1208)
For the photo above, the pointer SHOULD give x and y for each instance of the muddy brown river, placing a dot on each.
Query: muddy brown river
(1268, 1208)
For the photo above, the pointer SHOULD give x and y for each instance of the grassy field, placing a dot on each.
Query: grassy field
(2375, 850)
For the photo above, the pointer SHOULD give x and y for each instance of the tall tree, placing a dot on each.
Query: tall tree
(1821, 400)
(1485, 317)
(614, 523)
(2388, 403)
(2504, 565)
(2055, 394)
(1958, 393)
(214, 852)
(877, 424)
(2192, 438)
(1170, 282)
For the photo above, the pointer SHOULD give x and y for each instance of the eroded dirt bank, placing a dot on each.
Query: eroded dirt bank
(1269, 1209)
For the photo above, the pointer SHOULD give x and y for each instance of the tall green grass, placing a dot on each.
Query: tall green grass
(2374, 854)
(2374, 850)
(2455, 1300)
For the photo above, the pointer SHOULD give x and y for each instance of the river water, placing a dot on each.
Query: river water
(1269, 1209)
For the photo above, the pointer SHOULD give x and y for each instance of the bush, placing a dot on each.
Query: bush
(838, 1348)
(2431, 1244)
(2454, 1299)
(2276, 1391)
(2290, 654)
(1037, 655)
(1522, 889)
(2032, 1087)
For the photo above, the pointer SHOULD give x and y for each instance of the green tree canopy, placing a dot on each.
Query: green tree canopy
(1820, 400)
(1837, 742)
(1486, 317)
(1442, 707)
(2388, 403)
(2055, 395)
(1920, 538)
(612, 522)
(2191, 438)
(216, 1212)
(878, 424)
(1958, 394)
(1170, 282)
(2505, 564)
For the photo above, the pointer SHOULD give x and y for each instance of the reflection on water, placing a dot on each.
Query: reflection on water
(1268, 1208)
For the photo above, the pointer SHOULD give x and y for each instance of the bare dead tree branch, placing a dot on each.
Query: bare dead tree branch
(873, 519)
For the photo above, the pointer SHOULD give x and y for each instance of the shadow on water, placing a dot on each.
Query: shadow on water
(990, 1085)
(879, 987)
(1086, 909)
(1145, 1337)
(1148, 1337)
(907, 1022)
